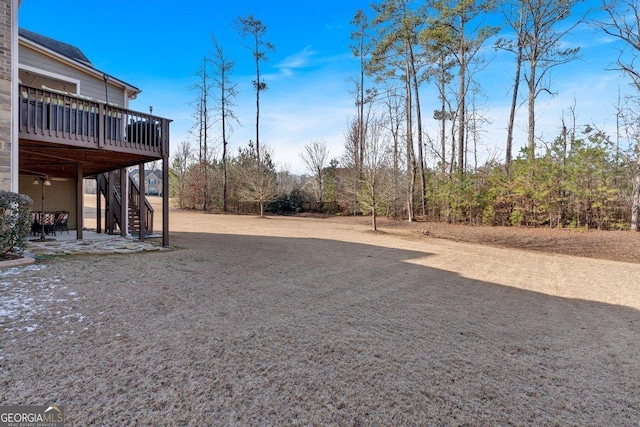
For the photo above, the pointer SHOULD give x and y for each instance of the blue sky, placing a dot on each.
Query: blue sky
(158, 47)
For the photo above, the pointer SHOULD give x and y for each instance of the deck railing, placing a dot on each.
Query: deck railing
(52, 116)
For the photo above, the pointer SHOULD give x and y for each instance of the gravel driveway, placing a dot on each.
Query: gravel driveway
(290, 321)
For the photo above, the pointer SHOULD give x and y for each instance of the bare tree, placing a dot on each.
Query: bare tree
(442, 64)
(351, 160)
(458, 30)
(395, 56)
(542, 49)
(624, 24)
(362, 49)
(515, 17)
(315, 156)
(202, 125)
(412, 22)
(376, 191)
(411, 156)
(288, 182)
(178, 184)
(200, 105)
(255, 30)
(393, 119)
(222, 67)
(258, 180)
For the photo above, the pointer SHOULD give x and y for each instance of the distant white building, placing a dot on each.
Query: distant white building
(152, 180)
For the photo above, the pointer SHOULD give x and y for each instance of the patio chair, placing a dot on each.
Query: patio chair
(36, 225)
(62, 218)
(50, 223)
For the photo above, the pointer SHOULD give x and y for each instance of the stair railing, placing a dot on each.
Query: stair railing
(134, 205)
(103, 188)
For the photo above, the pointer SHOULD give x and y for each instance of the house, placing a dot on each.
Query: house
(63, 121)
(152, 179)
(8, 87)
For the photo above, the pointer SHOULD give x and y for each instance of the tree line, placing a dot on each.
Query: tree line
(392, 166)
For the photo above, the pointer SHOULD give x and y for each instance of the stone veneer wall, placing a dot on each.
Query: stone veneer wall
(5, 94)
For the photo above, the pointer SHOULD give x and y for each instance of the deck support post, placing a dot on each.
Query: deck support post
(141, 205)
(99, 180)
(165, 200)
(79, 202)
(124, 218)
(110, 203)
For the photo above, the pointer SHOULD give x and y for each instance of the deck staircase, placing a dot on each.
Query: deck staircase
(113, 206)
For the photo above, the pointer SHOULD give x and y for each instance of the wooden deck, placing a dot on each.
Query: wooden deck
(70, 136)
(58, 130)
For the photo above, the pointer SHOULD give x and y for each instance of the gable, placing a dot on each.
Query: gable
(59, 47)
(49, 58)
(43, 71)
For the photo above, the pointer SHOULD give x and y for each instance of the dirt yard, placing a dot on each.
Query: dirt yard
(612, 245)
(304, 321)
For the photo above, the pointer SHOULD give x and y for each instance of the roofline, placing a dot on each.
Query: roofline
(132, 91)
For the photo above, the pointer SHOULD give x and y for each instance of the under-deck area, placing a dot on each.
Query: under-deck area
(65, 136)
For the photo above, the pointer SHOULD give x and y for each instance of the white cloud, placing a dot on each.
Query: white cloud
(302, 59)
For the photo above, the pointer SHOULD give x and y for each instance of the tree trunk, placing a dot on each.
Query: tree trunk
(225, 182)
(531, 141)
(461, 121)
(374, 222)
(395, 175)
(462, 93)
(258, 89)
(514, 104)
(411, 161)
(394, 126)
(361, 125)
(635, 209)
(443, 125)
(205, 93)
(258, 124)
(423, 185)
(452, 161)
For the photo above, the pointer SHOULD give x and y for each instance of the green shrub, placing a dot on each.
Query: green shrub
(516, 218)
(488, 215)
(15, 223)
(287, 204)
